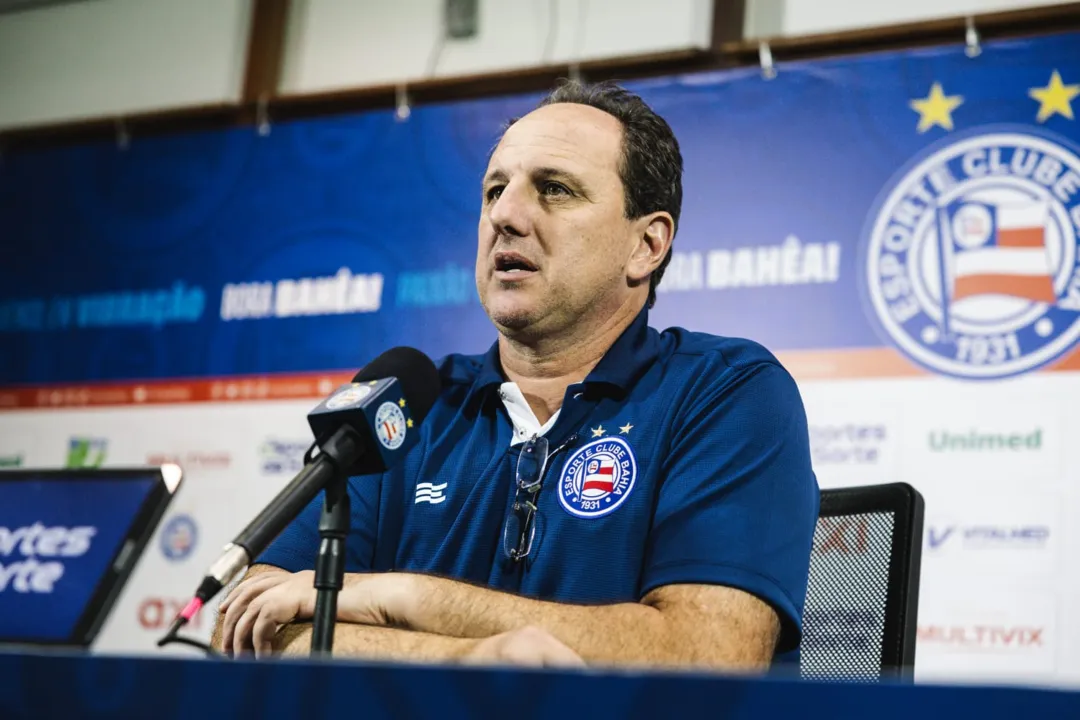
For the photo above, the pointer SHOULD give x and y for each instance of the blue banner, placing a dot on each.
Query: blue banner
(834, 207)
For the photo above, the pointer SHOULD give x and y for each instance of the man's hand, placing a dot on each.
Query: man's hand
(258, 606)
(530, 646)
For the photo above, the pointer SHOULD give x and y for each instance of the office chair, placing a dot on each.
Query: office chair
(859, 622)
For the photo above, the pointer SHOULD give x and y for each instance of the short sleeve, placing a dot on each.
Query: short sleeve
(738, 500)
(297, 547)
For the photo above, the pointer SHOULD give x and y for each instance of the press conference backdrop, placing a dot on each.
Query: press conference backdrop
(901, 229)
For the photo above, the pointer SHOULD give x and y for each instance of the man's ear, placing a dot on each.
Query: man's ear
(654, 234)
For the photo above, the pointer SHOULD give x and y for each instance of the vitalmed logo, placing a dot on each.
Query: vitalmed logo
(975, 441)
(193, 460)
(848, 444)
(940, 538)
(86, 452)
(982, 637)
(280, 457)
(26, 573)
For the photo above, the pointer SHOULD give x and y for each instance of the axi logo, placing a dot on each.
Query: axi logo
(1002, 637)
(84, 452)
(156, 613)
(988, 537)
(841, 535)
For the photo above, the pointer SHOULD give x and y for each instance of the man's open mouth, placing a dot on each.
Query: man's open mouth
(512, 262)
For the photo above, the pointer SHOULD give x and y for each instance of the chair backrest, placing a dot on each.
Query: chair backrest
(859, 622)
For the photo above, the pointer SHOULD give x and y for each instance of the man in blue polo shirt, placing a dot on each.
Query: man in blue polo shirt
(589, 490)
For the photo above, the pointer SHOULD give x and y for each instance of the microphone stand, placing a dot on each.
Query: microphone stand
(330, 565)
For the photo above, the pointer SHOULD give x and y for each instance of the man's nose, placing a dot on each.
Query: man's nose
(511, 213)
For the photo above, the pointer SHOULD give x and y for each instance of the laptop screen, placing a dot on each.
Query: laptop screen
(64, 539)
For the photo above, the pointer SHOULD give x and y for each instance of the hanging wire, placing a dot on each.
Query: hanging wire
(574, 70)
(579, 35)
(552, 32)
(440, 43)
(768, 69)
(123, 138)
(402, 109)
(262, 117)
(972, 48)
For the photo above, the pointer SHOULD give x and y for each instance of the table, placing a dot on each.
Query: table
(43, 684)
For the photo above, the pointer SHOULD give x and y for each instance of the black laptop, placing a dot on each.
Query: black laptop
(69, 540)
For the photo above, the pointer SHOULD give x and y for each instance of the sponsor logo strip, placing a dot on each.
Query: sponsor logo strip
(267, 387)
(852, 363)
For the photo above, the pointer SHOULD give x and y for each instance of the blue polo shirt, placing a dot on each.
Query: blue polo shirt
(682, 458)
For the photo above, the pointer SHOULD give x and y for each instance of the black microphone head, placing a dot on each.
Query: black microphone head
(414, 370)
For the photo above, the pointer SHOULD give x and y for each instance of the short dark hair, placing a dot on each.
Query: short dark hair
(651, 165)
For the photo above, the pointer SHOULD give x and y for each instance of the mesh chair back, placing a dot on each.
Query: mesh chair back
(861, 609)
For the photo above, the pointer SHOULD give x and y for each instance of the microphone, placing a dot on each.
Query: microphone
(364, 427)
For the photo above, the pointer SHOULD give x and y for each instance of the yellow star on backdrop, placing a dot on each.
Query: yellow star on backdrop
(936, 108)
(598, 431)
(625, 429)
(408, 423)
(1056, 97)
(401, 402)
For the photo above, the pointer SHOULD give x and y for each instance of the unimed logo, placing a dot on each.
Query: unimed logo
(975, 441)
(982, 637)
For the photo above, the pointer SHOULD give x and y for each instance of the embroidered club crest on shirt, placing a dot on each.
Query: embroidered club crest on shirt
(598, 477)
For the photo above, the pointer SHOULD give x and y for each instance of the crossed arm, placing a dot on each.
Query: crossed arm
(422, 617)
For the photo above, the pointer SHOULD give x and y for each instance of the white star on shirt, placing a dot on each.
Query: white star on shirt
(598, 431)
(625, 429)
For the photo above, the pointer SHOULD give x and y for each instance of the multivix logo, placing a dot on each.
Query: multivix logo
(976, 441)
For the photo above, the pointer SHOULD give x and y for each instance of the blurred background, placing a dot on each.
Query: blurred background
(213, 211)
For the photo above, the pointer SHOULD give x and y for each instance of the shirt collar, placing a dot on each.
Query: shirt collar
(632, 352)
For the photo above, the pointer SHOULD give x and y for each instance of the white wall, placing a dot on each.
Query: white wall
(336, 44)
(110, 58)
(766, 18)
(117, 57)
